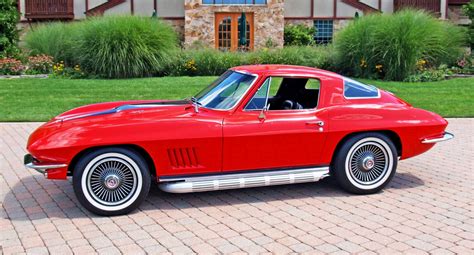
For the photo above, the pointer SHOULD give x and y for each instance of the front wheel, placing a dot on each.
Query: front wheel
(111, 181)
(365, 163)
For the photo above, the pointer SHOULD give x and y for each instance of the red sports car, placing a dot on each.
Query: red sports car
(254, 126)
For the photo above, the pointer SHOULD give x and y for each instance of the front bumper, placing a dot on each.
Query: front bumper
(31, 163)
(446, 136)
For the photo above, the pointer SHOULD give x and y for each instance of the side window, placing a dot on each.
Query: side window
(260, 98)
(286, 93)
(355, 89)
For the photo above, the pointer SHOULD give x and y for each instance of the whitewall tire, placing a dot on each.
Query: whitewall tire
(111, 181)
(365, 163)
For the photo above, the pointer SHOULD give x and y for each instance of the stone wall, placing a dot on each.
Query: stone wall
(178, 26)
(456, 15)
(340, 23)
(200, 19)
(306, 22)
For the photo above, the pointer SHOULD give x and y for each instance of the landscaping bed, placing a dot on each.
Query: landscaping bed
(410, 45)
(42, 99)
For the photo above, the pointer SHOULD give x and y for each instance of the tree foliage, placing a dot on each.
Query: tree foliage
(9, 18)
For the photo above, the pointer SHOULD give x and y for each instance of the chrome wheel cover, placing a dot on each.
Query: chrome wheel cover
(111, 181)
(369, 163)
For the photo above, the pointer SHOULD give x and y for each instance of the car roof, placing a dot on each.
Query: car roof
(287, 69)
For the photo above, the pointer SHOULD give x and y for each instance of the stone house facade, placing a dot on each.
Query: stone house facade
(217, 22)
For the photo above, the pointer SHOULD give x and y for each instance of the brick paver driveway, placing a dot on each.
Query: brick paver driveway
(428, 208)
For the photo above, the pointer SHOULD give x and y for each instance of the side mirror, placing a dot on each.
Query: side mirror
(262, 115)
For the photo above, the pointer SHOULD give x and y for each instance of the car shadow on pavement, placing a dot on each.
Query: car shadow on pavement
(36, 198)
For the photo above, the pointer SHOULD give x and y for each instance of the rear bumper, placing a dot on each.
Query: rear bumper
(446, 136)
(30, 163)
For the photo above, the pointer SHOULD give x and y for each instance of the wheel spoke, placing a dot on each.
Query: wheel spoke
(368, 163)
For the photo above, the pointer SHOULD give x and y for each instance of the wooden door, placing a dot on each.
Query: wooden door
(227, 31)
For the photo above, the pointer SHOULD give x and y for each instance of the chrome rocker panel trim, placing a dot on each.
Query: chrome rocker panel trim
(243, 180)
(447, 136)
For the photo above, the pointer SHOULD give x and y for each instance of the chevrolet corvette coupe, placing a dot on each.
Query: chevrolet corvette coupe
(254, 126)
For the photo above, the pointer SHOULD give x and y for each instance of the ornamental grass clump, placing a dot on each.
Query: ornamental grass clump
(125, 46)
(107, 47)
(391, 46)
(54, 39)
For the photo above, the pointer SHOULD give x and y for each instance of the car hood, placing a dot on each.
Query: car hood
(103, 117)
(112, 108)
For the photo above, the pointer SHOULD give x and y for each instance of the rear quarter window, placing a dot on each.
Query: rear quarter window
(354, 89)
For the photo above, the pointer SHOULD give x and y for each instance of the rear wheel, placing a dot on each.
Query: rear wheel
(111, 181)
(365, 163)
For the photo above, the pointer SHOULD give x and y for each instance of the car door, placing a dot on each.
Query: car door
(256, 139)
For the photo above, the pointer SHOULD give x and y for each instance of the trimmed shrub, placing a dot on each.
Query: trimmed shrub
(58, 40)
(390, 46)
(125, 46)
(9, 17)
(299, 35)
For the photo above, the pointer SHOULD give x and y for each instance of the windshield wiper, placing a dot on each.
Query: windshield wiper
(196, 104)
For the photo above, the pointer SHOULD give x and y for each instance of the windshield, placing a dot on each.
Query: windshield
(226, 91)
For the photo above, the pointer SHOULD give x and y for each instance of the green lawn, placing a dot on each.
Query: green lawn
(41, 99)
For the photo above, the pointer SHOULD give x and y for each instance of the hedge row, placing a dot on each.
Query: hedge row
(213, 62)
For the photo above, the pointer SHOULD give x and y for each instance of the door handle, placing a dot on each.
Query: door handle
(319, 123)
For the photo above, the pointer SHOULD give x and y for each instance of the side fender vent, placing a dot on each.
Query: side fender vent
(183, 157)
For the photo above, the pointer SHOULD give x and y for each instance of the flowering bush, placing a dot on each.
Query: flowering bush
(62, 71)
(58, 68)
(428, 75)
(190, 66)
(11, 66)
(379, 68)
(464, 65)
(421, 64)
(40, 64)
